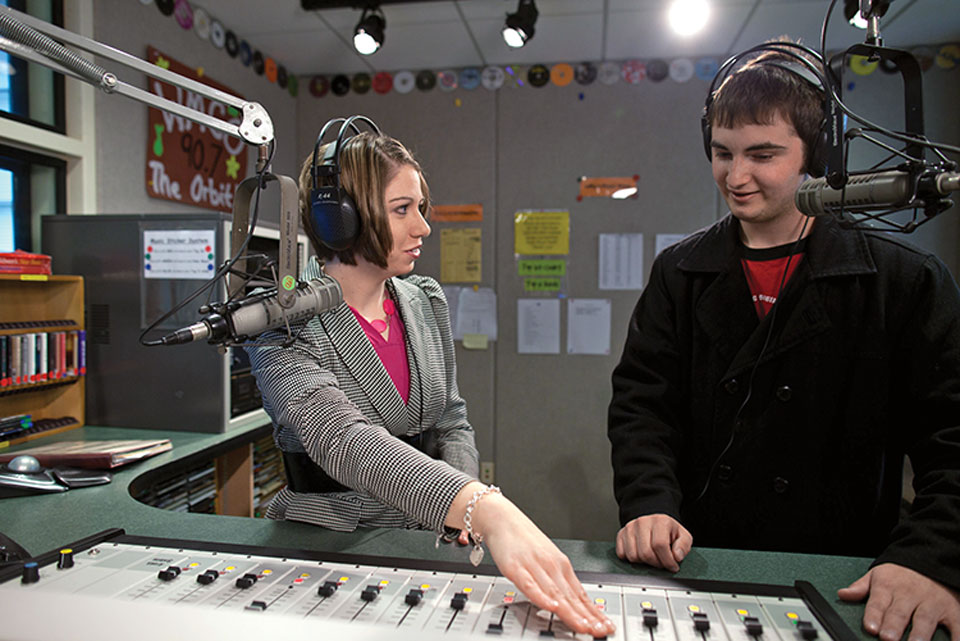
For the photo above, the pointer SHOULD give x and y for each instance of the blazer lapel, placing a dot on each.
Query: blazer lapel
(361, 359)
(414, 325)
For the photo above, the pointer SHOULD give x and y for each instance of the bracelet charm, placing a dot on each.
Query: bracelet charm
(476, 554)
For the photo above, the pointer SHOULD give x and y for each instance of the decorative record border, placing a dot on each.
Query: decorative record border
(210, 29)
(651, 71)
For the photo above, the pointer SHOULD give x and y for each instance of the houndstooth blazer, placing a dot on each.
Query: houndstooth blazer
(330, 396)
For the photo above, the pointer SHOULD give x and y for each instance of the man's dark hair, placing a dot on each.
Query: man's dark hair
(761, 90)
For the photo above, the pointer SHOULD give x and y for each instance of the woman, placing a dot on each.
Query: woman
(365, 403)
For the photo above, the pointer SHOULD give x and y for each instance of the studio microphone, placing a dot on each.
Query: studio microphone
(873, 191)
(258, 313)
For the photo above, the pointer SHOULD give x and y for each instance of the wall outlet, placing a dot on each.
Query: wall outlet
(486, 471)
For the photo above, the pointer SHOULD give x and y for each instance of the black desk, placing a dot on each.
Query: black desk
(44, 523)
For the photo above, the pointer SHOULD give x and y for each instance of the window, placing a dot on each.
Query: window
(31, 185)
(29, 92)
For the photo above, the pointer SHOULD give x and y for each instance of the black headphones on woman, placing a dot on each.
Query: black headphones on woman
(801, 66)
(333, 211)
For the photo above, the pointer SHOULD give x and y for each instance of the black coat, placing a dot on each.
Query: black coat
(862, 368)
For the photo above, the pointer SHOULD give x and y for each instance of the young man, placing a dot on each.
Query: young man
(738, 422)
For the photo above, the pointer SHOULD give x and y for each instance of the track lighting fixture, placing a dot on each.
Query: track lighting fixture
(518, 28)
(369, 32)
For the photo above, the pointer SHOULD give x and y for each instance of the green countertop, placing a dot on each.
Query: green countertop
(44, 523)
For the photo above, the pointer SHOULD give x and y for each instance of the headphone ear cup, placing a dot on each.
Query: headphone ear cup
(333, 216)
(707, 134)
(349, 219)
(817, 166)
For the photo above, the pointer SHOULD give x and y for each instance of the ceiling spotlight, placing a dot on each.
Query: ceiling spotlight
(518, 28)
(369, 32)
(687, 17)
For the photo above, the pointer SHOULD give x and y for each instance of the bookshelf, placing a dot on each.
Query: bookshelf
(239, 482)
(35, 303)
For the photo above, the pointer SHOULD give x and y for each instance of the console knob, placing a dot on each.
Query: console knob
(66, 559)
(31, 572)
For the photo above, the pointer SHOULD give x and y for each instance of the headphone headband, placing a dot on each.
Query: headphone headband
(800, 61)
(334, 218)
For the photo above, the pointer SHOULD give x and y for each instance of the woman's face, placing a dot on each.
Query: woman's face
(403, 200)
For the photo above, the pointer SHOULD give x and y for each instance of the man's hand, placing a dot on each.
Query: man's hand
(656, 539)
(898, 595)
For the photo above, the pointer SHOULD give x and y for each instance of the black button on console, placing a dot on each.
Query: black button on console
(414, 596)
(328, 588)
(169, 574)
(246, 581)
(369, 593)
(753, 625)
(806, 630)
(650, 618)
(208, 577)
(700, 622)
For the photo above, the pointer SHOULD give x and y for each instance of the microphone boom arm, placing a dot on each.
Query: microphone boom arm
(43, 43)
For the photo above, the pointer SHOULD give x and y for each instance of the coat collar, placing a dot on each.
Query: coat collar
(724, 309)
(831, 250)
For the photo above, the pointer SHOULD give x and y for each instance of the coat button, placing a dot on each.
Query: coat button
(731, 386)
(724, 472)
(784, 393)
(780, 485)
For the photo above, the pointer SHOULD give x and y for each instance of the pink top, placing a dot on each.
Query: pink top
(393, 351)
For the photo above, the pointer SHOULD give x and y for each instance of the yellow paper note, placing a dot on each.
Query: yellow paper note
(475, 341)
(460, 255)
(541, 232)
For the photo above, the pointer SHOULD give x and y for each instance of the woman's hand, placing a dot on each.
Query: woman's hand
(529, 559)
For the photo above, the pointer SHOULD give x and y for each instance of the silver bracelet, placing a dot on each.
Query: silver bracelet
(476, 555)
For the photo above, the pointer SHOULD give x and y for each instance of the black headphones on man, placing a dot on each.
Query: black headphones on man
(823, 151)
(333, 211)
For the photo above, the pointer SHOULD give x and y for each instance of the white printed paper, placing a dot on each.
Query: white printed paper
(538, 326)
(588, 326)
(476, 313)
(665, 240)
(179, 254)
(621, 261)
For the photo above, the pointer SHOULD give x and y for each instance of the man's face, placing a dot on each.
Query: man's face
(758, 169)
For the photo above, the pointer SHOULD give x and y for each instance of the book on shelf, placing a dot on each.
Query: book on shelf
(102, 455)
(40, 357)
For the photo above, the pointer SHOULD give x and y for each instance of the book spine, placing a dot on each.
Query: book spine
(28, 359)
(4, 372)
(82, 349)
(71, 355)
(62, 366)
(14, 361)
(52, 356)
(43, 371)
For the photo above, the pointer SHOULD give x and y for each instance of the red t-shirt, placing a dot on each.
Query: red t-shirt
(768, 271)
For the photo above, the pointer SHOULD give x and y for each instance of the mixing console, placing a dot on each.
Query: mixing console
(415, 599)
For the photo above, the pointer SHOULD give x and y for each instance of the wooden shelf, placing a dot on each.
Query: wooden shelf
(37, 303)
